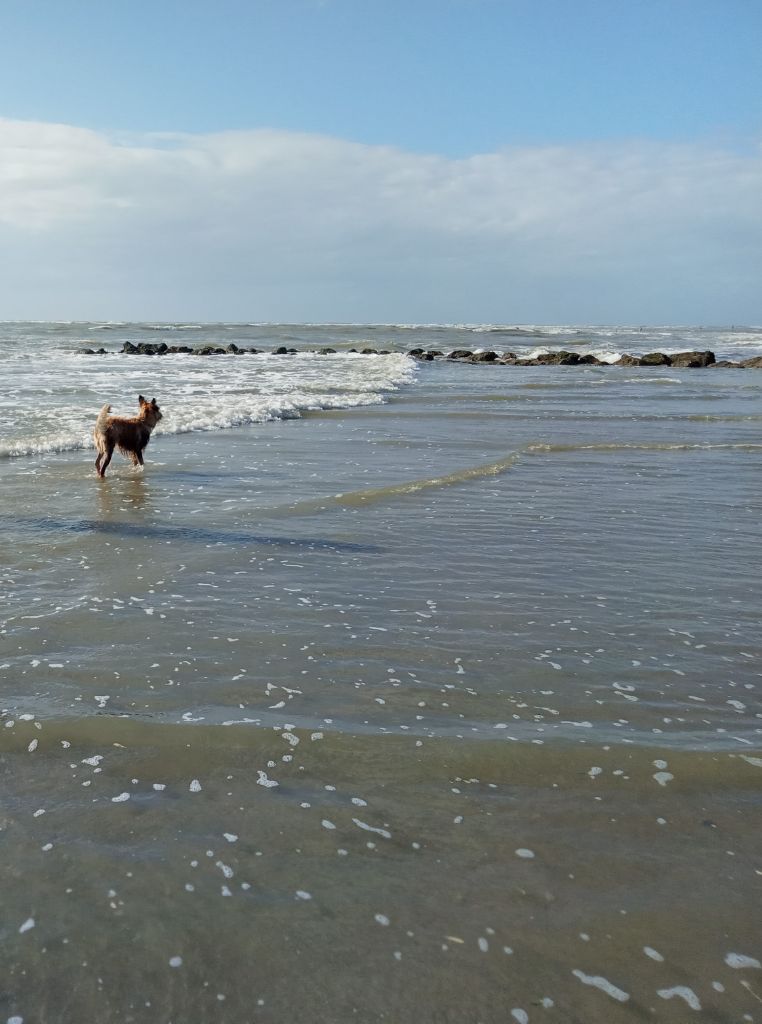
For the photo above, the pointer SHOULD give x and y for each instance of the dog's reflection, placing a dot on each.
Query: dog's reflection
(123, 494)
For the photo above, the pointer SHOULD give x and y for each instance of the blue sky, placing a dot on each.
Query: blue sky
(211, 124)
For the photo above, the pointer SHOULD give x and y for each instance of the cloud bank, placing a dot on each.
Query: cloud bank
(270, 225)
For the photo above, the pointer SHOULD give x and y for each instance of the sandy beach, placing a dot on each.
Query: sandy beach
(437, 707)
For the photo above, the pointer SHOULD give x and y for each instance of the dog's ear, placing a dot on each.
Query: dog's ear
(153, 403)
(142, 400)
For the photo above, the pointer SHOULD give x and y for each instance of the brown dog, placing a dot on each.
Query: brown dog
(129, 434)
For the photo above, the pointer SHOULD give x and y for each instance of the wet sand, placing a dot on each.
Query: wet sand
(445, 710)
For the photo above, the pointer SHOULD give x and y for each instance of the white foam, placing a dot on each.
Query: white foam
(603, 984)
(740, 961)
(195, 394)
(682, 992)
(370, 828)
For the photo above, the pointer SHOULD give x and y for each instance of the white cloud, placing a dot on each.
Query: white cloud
(278, 225)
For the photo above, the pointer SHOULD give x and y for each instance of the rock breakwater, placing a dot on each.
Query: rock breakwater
(562, 357)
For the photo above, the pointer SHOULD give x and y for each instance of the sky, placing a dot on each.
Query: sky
(469, 161)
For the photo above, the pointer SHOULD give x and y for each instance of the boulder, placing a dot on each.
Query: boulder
(280, 351)
(754, 363)
(627, 360)
(415, 352)
(655, 359)
(460, 353)
(483, 357)
(233, 349)
(369, 352)
(560, 358)
(326, 351)
(253, 351)
(146, 348)
(684, 359)
(590, 360)
(725, 364)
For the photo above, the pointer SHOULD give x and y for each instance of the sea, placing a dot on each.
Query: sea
(388, 690)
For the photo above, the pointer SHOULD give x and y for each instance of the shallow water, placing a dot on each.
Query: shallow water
(441, 709)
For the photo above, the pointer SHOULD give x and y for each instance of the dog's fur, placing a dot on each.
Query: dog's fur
(129, 434)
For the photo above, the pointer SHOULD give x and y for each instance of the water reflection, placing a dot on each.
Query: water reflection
(122, 494)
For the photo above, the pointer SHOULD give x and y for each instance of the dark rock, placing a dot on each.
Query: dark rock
(253, 351)
(508, 359)
(590, 360)
(415, 352)
(370, 352)
(655, 359)
(146, 348)
(527, 362)
(435, 352)
(483, 357)
(725, 364)
(280, 351)
(684, 359)
(560, 358)
(233, 349)
(460, 353)
(88, 352)
(627, 360)
(384, 352)
(754, 363)
(205, 350)
(326, 351)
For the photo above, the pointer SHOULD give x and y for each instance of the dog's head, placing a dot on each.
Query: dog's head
(149, 410)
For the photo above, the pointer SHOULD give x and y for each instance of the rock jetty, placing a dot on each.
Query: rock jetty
(562, 357)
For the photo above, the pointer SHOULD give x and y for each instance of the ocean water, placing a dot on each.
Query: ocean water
(386, 691)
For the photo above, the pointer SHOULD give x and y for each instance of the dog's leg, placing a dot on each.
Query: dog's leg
(98, 463)
(139, 458)
(106, 459)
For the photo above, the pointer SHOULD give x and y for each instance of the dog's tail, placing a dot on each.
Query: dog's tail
(100, 423)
